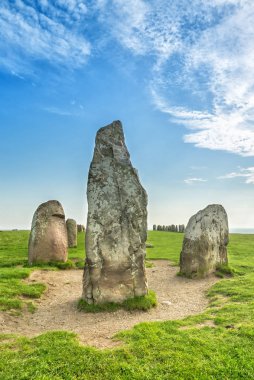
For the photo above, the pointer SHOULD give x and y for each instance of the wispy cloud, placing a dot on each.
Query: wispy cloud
(57, 111)
(246, 173)
(72, 110)
(190, 181)
(203, 56)
(41, 31)
(143, 27)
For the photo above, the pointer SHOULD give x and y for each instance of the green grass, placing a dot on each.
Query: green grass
(148, 264)
(69, 264)
(13, 248)
(166, 245)
(14, 268)
(143, 303)
(224, 270)
(77, 254)
(161, 350)
(14, 292)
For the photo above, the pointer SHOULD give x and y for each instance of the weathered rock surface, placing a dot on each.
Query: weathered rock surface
(71, 226)
(116, 224)
(48, 237)
(181, 228)
(205, 242)
(80, 228)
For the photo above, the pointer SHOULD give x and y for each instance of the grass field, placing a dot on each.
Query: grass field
(160, 350)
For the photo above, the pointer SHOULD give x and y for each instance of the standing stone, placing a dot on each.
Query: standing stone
(80, 228)
(116, 224)
(48, 237)
(154, 227)
(181, 228)
(205, 242)
(71, 226)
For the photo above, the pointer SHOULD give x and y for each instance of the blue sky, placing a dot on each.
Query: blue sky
(178, 74)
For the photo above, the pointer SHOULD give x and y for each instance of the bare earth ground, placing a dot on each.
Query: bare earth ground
(56, 310)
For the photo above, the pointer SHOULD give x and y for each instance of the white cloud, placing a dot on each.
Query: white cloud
(74, 110)
(201, 56)
(246, 173)
(68, 10)
(206, 52)
(28, 34)
(141, 26)
(57, 111)
(190, 181)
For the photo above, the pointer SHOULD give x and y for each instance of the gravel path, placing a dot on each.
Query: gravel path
(56, 310)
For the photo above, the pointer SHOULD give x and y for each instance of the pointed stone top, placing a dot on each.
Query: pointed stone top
(110, 142)
(113, 132)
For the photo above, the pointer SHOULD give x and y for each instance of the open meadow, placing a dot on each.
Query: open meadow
(214, 344)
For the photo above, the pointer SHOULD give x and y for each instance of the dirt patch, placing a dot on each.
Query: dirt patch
(207, 323)
(177, 297)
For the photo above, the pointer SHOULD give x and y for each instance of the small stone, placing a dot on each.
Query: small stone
(205, 242)
(48, 237)
(71, 226)
(166, 303)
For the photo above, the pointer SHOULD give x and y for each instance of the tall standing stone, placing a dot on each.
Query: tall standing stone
(205, 242)
(71, 226)
(48, 237)
(116, 224)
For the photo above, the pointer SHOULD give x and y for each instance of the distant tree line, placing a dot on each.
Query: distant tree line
(172, 228)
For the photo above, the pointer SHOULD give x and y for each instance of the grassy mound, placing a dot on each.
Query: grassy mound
(224, 271)
(143, 303)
